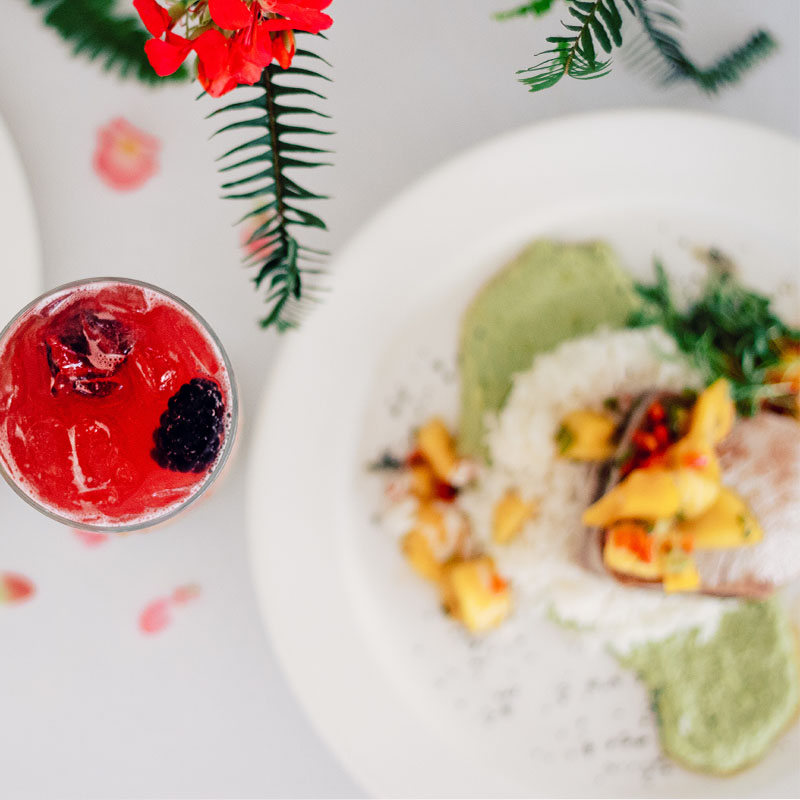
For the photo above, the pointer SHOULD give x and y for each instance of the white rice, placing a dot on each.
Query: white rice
(543, 562)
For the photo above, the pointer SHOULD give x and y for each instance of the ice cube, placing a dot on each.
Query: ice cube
(85, 351)
(98, 469)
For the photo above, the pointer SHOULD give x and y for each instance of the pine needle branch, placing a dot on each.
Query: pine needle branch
(597, 26)
(536, 8)
(287, 270)
(662, 25)
(95, 30)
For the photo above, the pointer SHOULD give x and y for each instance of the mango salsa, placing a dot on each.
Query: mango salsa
(510, 515)
(587, 436)
(728, 522)
(684, 580)
(438, 447)
(654, 493)
(419, 553)
(475, 594)
(713, 414)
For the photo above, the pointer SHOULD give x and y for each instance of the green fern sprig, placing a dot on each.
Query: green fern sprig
(661, 25)
(597, 26)
(535, 8)
(288, 269)
(96, 31)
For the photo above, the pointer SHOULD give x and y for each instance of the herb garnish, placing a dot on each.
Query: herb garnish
(729, 331)
(565, 438)
(386, 462)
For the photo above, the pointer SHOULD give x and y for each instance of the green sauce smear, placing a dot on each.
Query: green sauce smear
(550, 293)
(720, 704)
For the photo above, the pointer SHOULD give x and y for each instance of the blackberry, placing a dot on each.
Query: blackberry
(190, 434)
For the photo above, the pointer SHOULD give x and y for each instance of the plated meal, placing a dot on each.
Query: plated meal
(626, 463)
(408, 466)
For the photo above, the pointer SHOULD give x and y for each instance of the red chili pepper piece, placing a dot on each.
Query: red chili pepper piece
(645, 440)
(444, 491)
(415, 459)
(695, 460)
(498, 584)
(662, 434)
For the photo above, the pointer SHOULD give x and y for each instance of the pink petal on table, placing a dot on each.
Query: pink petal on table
(90, 538)
(255, 246)
(15, 588)
(125, 156)
(155, 616)
(183, 594)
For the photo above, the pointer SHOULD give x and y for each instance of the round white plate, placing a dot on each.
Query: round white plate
(407, 701)
(20, 266)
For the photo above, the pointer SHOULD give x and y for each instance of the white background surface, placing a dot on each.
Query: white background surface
(90, 707)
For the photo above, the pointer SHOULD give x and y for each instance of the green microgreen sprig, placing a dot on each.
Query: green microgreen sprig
(728, 331)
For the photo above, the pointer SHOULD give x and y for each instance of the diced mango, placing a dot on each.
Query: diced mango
(510, 515)
(620, 556)
(438, 447)
(728, 522)
(685, 580)
(423, 482)
(644, 494)
(587, 436)
(697, 492)
(695, 454)
(713, 413)
(651, 494)
(475, 594)
(417, 550)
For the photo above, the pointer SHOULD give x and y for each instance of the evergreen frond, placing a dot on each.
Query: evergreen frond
(536, 8)
(661, 25)
(596, 25)
(95, 30)
(286, 270)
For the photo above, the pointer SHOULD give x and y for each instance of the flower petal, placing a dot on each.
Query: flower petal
(125, 157)
(230, 14)
(259, 48)
(242, 69)
(284, 46)
(318, 4)
(218, 84)
(166, 57)
(302, 17)
(155, 616)
(212, 50)
(90, 538)
(155, 18)
(14, 588)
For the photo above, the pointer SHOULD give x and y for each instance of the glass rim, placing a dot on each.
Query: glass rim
(226, 447)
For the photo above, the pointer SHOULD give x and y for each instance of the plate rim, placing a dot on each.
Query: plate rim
(340, 266)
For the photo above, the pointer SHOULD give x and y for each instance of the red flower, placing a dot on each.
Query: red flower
(155, 18)
(125, 156)
(283, 47)
(166, 55)
(241, 39)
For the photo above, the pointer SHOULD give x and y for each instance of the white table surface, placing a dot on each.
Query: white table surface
(90, 706)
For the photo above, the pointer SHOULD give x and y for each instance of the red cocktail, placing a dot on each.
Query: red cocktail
(117, 404)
